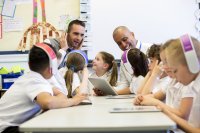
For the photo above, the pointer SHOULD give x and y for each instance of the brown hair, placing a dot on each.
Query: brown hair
(110, 60)
(138, 61)
(75, 62)
(154, 52)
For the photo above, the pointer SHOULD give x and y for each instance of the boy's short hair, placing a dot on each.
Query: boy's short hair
(154, 52)
(75, 22)
(38, 59)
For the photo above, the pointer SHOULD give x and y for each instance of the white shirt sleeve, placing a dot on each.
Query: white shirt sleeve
(39, 86)
(123, 82)
(63, 53)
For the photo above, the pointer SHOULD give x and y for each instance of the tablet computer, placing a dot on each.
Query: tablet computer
(134, 109)
(103, 85)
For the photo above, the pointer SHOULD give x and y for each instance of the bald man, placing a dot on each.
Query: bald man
(125, 39)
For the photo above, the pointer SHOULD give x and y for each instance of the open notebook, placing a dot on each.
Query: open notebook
(134, 109)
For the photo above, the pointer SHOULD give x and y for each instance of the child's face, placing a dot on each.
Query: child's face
(152, 63)
(182, 74)
(98, 63)
(166, 68)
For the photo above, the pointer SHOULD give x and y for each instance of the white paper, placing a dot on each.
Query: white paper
(12, 24)
(84, 1)
(84, 8)
(64, 21)
(85, 16)
(8, 8)
(18, 2)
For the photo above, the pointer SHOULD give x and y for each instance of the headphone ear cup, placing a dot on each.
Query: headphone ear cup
(126, 62)
(190, 53)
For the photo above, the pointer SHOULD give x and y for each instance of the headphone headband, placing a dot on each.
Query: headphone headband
(190, 53)
(51, 54)
(126, 62)
(82, 54)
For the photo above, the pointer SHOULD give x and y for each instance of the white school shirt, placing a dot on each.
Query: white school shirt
(194, 118)
(18, 103)
(58, 81)
(125, 77)
(175, 92)
(135, 83)
(76, 79)
(161, 83)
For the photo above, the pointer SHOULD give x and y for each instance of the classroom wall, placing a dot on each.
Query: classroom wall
(54, 9)
(152, 21)
(10, 40)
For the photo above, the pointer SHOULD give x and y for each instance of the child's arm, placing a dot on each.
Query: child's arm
(139, 91)
(159, 95)
(148, 87)
(59, 100)
(83, 88)
(183, 124)
(124, 91)
(182, 111)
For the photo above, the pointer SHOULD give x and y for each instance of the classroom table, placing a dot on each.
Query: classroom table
(97, 118)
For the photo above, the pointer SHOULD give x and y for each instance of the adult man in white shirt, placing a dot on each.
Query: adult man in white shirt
(125, 39)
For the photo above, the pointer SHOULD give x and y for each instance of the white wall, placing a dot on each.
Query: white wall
(152, 21)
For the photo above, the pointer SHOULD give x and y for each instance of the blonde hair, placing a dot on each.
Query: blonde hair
(75, 62)
(175, 54)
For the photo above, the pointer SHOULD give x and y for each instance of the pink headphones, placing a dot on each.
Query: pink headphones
(52, 56)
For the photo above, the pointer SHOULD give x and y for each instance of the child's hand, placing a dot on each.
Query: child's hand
(157, 70)
(55, 91)
(98, 92)
(138, 100)
(79, 98)
(149, 101)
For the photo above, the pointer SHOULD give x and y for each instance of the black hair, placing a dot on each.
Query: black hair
(38, 59)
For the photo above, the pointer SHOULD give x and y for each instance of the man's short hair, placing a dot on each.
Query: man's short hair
(75, 22)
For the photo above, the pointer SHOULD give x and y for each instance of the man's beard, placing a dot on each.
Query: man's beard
(70, 43)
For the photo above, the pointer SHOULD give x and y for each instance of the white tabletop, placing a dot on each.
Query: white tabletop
(97, 118)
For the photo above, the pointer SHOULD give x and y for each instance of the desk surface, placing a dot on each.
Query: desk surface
(96, 118)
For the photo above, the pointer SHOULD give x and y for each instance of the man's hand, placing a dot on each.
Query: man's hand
(63, 41)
